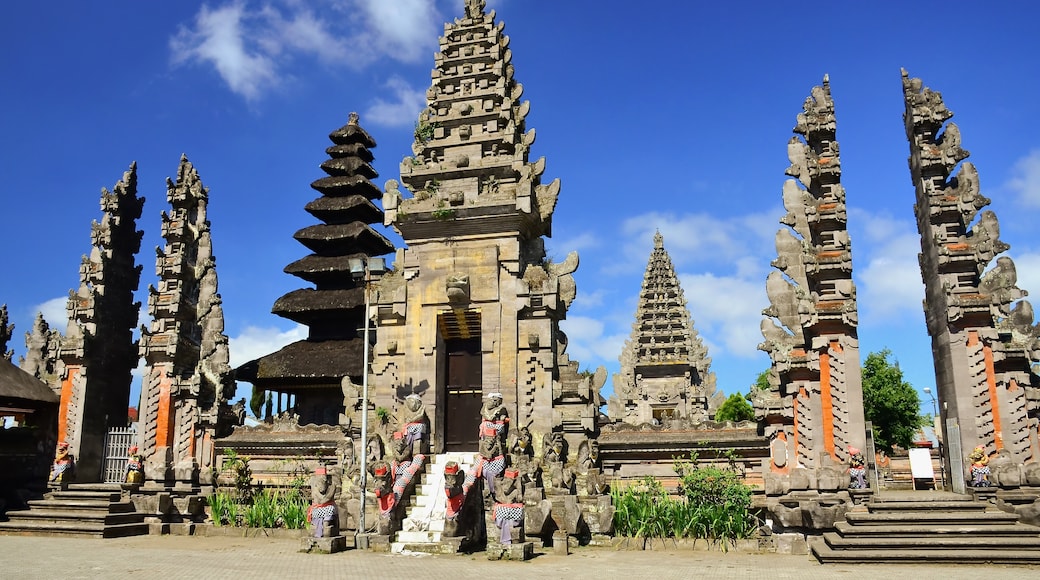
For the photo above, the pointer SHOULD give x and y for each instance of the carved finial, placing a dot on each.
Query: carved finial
(352, 119)
(475, 8)
(658, 240)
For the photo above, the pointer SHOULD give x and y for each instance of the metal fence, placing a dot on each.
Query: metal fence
(117, 446)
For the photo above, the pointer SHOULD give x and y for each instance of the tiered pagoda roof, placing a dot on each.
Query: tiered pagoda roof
(334, 309)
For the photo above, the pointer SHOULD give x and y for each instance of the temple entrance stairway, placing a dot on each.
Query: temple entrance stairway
(83, 509)
(423, 526)
(929, 527)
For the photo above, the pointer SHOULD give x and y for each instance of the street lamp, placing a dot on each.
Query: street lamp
(937, 428)
(935, 408)
(362, 269)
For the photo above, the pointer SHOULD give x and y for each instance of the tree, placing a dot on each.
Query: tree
(889, 402)
(736, 409)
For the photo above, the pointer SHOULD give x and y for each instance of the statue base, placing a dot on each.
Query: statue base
(520, 551)
(311, 545)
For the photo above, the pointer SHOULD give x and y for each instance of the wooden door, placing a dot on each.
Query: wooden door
(464, 394)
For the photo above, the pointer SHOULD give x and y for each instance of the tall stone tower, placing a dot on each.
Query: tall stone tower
(473, 305)
(187, 380)
(665, 369)
(310, 371)
(98, 351)
(983, 346)
(814, 411)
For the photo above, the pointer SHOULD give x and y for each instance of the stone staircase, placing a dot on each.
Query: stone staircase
(93, 510)
(929, 528)
(422, 528)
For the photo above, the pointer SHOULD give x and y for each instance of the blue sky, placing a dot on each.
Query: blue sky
(671, 115)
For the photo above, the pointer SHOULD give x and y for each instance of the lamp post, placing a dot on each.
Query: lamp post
(937, 428)
(362, 269)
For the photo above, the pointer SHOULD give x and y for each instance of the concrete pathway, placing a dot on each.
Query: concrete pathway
(209, 558)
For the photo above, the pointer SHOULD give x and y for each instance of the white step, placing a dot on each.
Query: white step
(425, 515)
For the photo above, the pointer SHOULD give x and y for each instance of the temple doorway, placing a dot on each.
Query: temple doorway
(463, 394)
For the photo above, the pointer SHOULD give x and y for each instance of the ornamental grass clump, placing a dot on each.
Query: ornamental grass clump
(256, 506)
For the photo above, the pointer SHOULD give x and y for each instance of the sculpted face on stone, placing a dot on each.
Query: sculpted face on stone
(457, 288)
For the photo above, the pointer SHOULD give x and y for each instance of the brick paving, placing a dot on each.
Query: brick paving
(190, 557)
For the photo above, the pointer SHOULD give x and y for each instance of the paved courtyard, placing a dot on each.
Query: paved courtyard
(179, 557)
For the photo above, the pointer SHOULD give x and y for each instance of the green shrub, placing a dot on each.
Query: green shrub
(713, 504)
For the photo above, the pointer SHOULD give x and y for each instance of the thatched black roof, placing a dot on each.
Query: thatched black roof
(16, 384)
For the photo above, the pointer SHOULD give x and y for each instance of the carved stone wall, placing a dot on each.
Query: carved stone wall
(983, 336)
(813, 411)
(665, 370)
(98, 351)
(187, 380)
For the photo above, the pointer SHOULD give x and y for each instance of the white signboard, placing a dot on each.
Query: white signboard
(921, 464)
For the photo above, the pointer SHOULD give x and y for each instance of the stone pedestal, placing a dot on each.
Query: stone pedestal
(331, 545)
(559, 543)
(372, 542)
(520, 551)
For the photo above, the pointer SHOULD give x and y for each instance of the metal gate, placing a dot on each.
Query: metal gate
(117, 445)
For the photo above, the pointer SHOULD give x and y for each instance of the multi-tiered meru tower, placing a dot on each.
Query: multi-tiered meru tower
(665, 370)
(983, 346)
(309, 372)
(473, 305)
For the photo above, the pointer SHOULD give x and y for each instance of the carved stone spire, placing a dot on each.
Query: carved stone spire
(42, 346)
(98, 352)
(5, 334)
(187, 378)
(814, 411)
(984, 342)
(665, 370)
(333, 310)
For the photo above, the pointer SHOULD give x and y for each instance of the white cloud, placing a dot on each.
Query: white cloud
(254, 342)
(402, 111)
(1027, 266)
(219, 38)
(1025, 180)
(587, 343)
(727, 310)
(889, 285)
(54, 312)
(253, 49)
(402, 29)
(698, 238)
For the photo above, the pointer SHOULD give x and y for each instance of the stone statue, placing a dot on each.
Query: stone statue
(454, 491)
(323, 514)
(134, 467)
(491, 460)
(979, 467)
(383, 487)
(508, 512)
(64, 469)
(416, 424)
(857, 469)
(494, 419)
